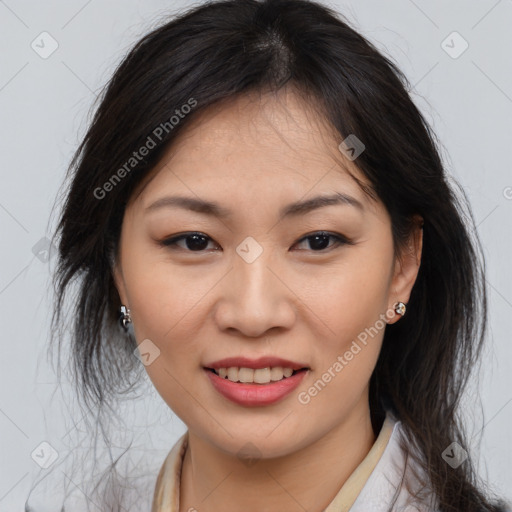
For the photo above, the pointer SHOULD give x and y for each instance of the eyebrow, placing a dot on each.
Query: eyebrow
(293, 209)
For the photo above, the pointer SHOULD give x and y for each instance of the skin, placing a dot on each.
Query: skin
(254, 155)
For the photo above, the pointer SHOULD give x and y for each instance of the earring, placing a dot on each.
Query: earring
(400, 308)
(125, 318)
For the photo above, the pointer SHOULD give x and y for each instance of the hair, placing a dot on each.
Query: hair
(216, 52)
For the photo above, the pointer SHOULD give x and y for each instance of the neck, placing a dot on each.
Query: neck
(307, 479)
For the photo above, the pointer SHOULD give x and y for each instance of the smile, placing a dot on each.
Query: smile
(251, 388)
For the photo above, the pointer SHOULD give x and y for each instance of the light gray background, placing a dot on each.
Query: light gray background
(44, 105)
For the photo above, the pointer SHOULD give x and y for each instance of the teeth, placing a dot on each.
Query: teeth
(233, 374)
(259, 376)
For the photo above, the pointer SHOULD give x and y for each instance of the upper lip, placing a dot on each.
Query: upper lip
(262, 362)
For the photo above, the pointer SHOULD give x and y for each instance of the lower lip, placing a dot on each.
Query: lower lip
(253, 395)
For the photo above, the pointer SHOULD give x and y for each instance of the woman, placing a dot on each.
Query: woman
(262, 207)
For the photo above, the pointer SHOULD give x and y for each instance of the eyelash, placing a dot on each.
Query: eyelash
(340, 240)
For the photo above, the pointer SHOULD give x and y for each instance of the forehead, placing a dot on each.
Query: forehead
(257, 142)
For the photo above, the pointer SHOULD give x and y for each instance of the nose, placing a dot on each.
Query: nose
(255, 298)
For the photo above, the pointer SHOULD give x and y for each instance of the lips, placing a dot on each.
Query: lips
(255, 395)
(255, 364)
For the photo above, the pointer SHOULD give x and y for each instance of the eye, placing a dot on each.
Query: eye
(319, 241)
(194, 242)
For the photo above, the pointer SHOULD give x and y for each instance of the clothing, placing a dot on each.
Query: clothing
(370, 488)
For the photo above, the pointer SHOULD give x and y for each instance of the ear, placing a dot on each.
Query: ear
(117, 275)
(407, 267)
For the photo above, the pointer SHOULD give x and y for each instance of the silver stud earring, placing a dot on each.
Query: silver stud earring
(125, 318)
(400, 308)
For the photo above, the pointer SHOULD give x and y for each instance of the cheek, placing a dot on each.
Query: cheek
(161, 295)
(168, 306)
(164, 305)
(346, 357)
(349, 297)
(352, 303)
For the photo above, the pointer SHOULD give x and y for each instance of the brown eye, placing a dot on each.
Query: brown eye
(193, 242)
(319, 241)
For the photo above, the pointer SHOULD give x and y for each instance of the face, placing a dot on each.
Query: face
(314, 286)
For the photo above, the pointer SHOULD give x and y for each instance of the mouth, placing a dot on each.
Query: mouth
(255, 387)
